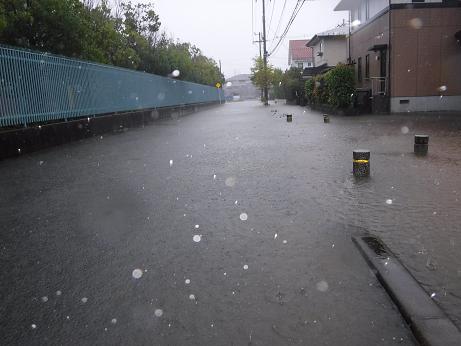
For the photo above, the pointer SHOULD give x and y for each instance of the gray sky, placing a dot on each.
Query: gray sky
(223, 28)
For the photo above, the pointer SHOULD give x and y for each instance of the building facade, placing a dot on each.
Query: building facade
(406, 53)
(299, 56)
(240, 87)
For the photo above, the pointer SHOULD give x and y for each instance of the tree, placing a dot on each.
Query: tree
(277, 88)
(128, 36)
(260, 76)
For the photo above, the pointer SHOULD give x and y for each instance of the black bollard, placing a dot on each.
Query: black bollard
(421, 144)
(326, 119)
(289, 118)
(361, 163)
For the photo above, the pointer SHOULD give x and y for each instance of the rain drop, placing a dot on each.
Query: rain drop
(322, 286)
(175, 73)
(197, 238)
(389, 201)
(243, 216)
(245, 267)
(433, 295)
(44, 299)
(33, 326)
(214, 176)
(158, 312)
(113, 321)
(191, 297)
(187, 281)
(230, 181)
(197, 226)
(58, 293)
(416, 23)
(285, 241)
(84, 300)
(137, 273)
(171, 163)
(443, 88)
(404, 130)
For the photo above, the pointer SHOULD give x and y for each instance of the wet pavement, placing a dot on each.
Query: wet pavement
(227, 227)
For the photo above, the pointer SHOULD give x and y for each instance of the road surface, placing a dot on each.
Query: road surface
(225, 227)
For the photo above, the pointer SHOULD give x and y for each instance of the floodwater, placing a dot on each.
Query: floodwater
(228, 225)
(413, 203)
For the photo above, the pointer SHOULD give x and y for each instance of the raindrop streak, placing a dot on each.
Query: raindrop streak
(214, 176)
(243, 216)
(322, 286)
(197, 238)
(389, 201)
(158, 312)
(275, 236)
(171, 163)
(137, 273)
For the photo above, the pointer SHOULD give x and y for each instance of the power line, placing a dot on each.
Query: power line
(280, 20)
(295, 12)
(272, 14)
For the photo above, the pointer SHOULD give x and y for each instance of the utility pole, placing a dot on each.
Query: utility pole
(259, 41)
(266, 92)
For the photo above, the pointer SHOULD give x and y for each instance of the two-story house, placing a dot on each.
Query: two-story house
(329, 48)
(299, 56)
(406, 52)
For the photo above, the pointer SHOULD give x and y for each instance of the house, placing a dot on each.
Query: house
(329, 48)
(299, 56)
(406, 53)
(240, 87)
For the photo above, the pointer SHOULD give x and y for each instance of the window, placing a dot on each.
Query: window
(300, 65)
(359, 69)
(367, 66)
(321, 47)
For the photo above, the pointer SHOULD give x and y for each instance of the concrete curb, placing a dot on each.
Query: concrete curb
(430, 325)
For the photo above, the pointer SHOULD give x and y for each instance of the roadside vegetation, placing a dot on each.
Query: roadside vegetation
(125, 35)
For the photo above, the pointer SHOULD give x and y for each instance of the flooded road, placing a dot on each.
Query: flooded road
(228, 226)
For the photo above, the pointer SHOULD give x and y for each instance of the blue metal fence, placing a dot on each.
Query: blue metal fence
(38, 87)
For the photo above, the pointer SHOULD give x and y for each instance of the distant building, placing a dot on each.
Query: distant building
(406, 53)
(329, 48)
(299, 55)
(241, 88)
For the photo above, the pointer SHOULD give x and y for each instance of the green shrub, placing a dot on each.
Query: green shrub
(339, 83)
(320, 90)
(309, 90)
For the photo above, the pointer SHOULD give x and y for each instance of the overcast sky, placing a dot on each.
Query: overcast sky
(223, 29)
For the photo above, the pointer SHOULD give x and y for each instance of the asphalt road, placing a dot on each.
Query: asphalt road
(225, 227)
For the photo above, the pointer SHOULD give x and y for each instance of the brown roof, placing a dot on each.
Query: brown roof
(299, 51)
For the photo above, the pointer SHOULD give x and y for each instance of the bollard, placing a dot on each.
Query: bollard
(361, 163)
(421, 144)
(326, 119)
(289, 118)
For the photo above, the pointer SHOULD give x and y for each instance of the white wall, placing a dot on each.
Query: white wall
(426, 104)
(334, 51)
